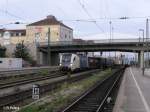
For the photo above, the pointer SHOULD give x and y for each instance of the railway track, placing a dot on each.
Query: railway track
(25, 71)
(22, 95)
(99, 98)
(31, 80)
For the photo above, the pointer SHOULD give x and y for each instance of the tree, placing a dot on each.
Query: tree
(2, 51)
(22, 51)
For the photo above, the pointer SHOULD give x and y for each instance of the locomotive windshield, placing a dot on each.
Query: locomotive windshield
(66, 58)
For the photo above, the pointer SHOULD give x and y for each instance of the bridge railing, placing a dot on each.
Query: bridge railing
(136, 40)
(65, 43)
(88, 42)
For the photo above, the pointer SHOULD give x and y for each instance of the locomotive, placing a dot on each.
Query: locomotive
(73, 62)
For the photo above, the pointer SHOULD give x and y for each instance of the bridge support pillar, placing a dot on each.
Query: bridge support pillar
(54, 57)
(141, 59)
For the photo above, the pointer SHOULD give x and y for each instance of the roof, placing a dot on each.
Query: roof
(50, 20)
(2, 30)
(17, 30)
(78, 40)
(13, 30)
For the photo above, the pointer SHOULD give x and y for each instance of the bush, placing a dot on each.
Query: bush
(21, 51)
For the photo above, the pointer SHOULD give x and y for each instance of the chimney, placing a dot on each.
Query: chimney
(51, 17)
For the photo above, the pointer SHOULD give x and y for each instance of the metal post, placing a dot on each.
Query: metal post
(142, 61)
(139, 61)
(48, 49)
(147, 37)
(142, 34)
(110, 34)
(147, 29)
(110, 29)
(142, 66)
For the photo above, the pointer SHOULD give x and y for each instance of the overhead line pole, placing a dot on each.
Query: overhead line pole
(48, 49)
(147, 37)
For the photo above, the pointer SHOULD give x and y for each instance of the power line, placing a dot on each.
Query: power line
(85, 10)
(113, 18)
(11, 23)
(10, 14)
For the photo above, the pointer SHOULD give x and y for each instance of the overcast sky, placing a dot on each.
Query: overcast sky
(28, 11)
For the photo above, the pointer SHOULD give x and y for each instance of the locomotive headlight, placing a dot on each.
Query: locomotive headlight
(60, 64)
(71, 64)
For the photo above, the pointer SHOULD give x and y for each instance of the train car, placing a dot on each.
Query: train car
(73, 62)
(99, 62)
(94, 62)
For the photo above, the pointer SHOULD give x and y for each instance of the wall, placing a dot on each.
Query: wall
(40, 33)
(11, 63)
(54, 59)
(66, 34)
(17, 39)
(31, 47)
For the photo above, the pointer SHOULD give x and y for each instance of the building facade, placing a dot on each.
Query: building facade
(38, 31)
(12, 36)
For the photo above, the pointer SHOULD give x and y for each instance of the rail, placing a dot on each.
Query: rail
(31, 80)
(24, 71)
(26, 94)
(93, 100)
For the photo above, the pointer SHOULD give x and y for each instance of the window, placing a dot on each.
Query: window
(46, 36)
(7, 35)
(1, 61)
(17, 34)
(37, 37)
(65, 36)
(6, 42)
(66, 58)
(12, 34)
(20, 34)
(74, 58)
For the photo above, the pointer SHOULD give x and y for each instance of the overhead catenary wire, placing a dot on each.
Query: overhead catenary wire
(10, 14)
(100, 19)
(86, 11)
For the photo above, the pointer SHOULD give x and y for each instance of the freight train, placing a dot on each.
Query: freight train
(74, 62)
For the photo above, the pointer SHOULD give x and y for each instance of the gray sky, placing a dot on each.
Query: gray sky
(28, 11)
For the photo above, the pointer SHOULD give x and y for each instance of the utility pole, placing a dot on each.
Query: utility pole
(142, 54)
(110, 30)
(110, 34)
(147, 37)
(142, 30)
(48, 48)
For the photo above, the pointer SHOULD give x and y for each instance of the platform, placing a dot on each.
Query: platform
(134, 93)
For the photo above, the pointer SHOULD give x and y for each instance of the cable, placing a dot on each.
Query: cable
(10, 14)
(85, 10)
(5, 24)
(100, 19)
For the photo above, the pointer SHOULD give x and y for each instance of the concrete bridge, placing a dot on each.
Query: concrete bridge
(124, 45)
